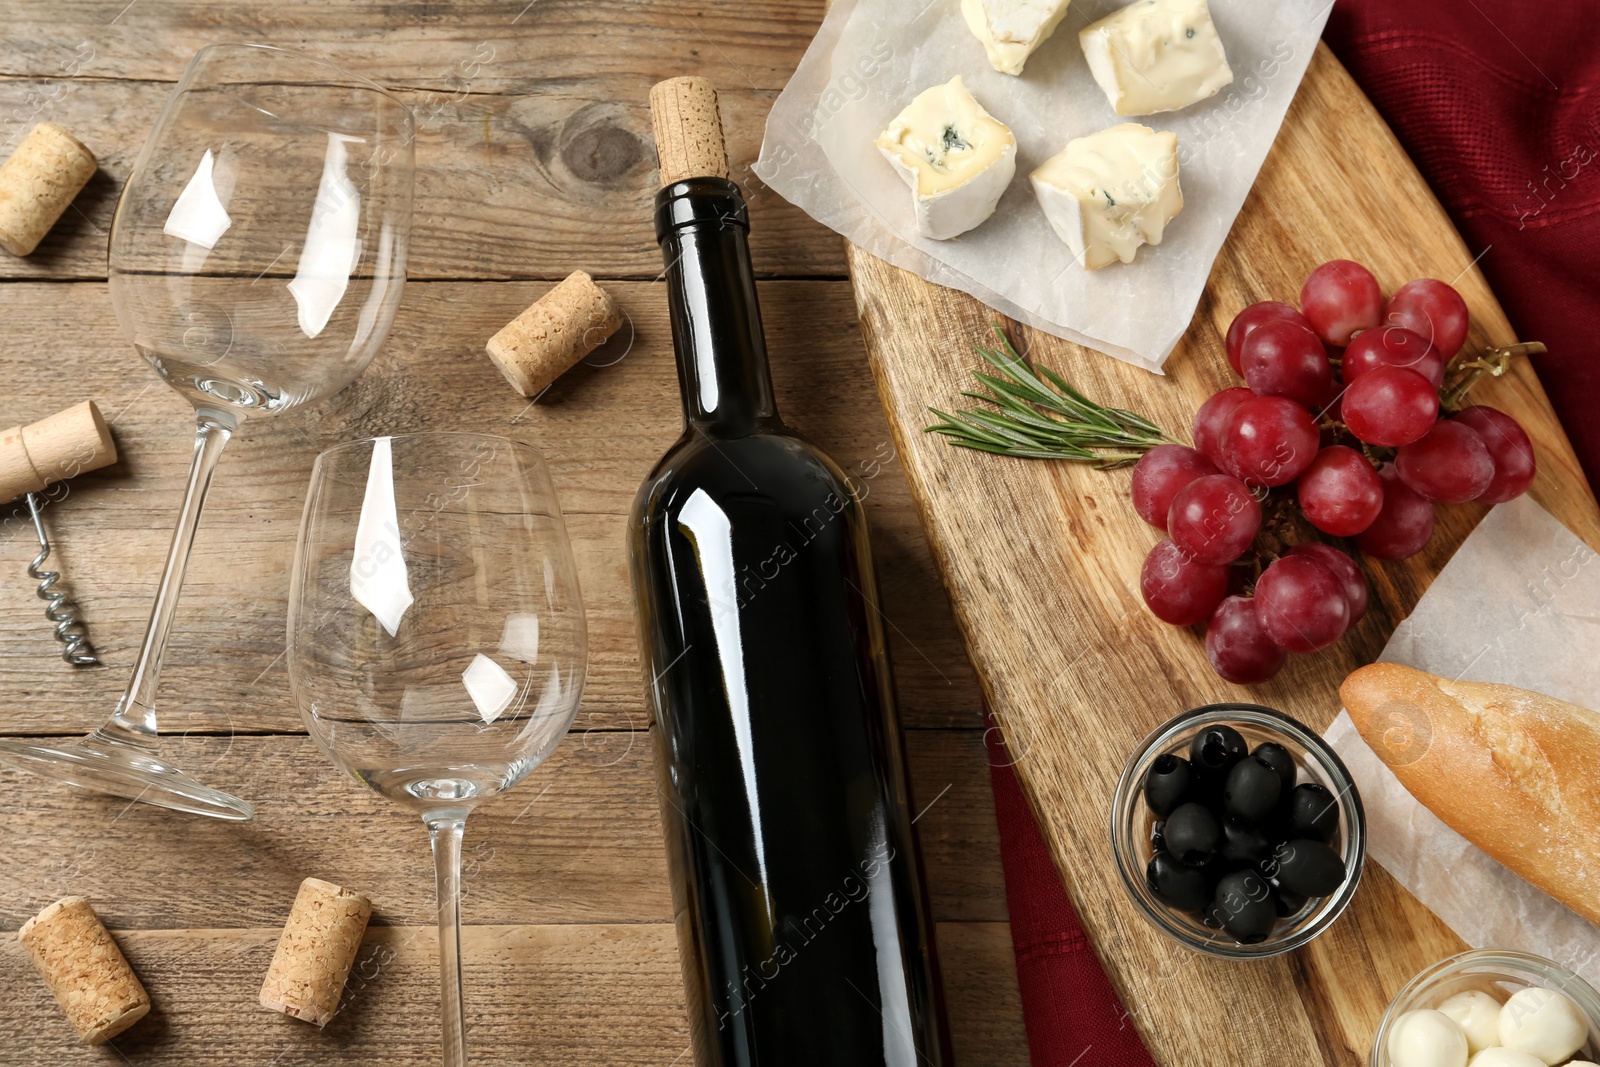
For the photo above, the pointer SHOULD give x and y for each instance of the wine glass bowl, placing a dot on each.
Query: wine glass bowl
(262, 236)
(479, 679)
(256, 261)
(436, 643)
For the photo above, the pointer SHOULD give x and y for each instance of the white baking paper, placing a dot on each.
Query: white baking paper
(1519, 603)
(872, 56)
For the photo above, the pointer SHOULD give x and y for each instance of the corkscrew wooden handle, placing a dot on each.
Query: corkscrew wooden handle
(688, 130)
(61, 446)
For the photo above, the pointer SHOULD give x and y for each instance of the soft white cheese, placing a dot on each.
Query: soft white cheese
(1156, 55)
(955, 156)
(1110, 192)
(1011, 30)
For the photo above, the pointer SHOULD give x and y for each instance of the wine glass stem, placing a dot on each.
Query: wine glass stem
(446, 836)
(134, 720)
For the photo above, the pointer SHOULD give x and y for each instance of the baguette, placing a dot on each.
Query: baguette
(1516, 773)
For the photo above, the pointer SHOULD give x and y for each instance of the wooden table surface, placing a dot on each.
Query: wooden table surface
(534, 159)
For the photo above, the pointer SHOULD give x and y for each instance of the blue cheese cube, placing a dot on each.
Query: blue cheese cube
(1110, 192)
(1156, 55)
(955, 156)
(1011, 30)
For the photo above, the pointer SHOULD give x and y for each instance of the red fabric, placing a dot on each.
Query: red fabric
(1498, 104)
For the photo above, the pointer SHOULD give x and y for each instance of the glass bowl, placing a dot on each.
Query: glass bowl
(1132, 820)
(1498, 972)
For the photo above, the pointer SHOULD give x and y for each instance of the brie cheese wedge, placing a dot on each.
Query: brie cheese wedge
(956, 157)
(1012, 29)
(1110, 192)
(1156, 55)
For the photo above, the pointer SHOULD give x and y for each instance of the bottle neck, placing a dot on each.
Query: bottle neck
(723, 377)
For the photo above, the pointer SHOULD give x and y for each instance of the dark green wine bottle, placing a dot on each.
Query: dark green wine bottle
(800, 909)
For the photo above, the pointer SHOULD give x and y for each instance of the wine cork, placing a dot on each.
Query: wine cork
(557, 330)
(319, 943)
(47, 170)
(75, 955)
(688, 130)
(56, 448)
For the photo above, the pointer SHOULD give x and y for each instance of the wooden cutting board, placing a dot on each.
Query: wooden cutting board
(1041, 560)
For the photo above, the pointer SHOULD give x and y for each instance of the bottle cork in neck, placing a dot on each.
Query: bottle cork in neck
(688, 131)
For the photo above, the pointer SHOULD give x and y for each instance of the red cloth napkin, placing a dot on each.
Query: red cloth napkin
(1498, 104)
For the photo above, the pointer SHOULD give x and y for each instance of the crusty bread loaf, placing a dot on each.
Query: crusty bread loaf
(1516, 773)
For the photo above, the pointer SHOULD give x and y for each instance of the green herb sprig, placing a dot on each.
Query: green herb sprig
(1030, 419)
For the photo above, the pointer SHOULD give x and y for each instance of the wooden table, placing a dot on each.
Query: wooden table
(534, 159)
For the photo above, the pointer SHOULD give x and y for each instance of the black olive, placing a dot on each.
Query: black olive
(1315, 813)
(1216, 748)
(1191, 834)
(1307, 867)
(1243, 844)
(1166, 782)
(1243, 905)
(1175, 884)
(1279, 759)
(1287, 901)
(1252, 789)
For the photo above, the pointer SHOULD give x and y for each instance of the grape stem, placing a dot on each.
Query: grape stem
(1493, 363)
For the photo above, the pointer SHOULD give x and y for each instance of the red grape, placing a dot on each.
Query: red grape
(1258, 314)
(1284, 359)
(1268, 440)
(1158, 476)
(1214, 518)
(1449, 464)
(1239, 649)
(1403, 526)
(1212, 417)
(1390, 406)
(1394, 347)
(1432, 310)
(1339, 298)
(1340, 493)
(1508, 447)
(1180, 589)
(1351, 580)
(1301, 604)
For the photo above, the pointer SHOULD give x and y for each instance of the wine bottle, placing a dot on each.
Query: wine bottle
(802, 921)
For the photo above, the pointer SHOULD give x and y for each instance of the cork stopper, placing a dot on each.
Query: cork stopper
(557, 330)
(85, 969)
(47, 170)
(314, 955)
(56, 448)
(688, 130)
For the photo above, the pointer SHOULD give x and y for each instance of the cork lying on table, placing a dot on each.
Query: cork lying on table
(60, 446)
(557, 330)
(37, 182)
(313, 959)
(75, 955)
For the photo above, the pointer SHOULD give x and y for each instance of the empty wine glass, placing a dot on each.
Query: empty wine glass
(256, 261)
(436, 635)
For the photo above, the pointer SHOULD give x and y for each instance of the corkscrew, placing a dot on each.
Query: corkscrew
(32, 457)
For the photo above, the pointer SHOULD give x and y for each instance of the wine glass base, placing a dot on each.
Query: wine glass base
(123, 771)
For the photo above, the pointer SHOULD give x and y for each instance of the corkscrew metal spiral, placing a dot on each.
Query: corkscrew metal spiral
(70, 630)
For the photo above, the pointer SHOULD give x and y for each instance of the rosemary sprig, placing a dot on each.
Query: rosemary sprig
(1035, 420)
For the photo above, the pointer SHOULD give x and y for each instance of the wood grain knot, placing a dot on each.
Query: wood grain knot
(601, 152)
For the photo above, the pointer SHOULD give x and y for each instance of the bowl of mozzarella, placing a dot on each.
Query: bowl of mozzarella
(1491, 1008)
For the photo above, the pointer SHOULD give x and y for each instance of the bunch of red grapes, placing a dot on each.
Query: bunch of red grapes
(1340, 412)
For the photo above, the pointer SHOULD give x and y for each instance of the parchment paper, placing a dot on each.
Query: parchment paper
(872, 56)
(1519, 603)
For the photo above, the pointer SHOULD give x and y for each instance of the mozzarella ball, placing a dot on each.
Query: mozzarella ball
(1543, 1023)
(1504, 1057)
(1426, 1038)
(1478, 1015)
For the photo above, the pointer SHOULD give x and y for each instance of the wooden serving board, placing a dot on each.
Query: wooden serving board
(1042, 559)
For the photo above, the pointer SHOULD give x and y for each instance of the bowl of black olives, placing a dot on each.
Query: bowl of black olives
(1238, 831)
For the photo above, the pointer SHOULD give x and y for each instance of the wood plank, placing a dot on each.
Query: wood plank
(579, 841)
(556, 174)
(602, 428)
(1046, 586)
(577, 994)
